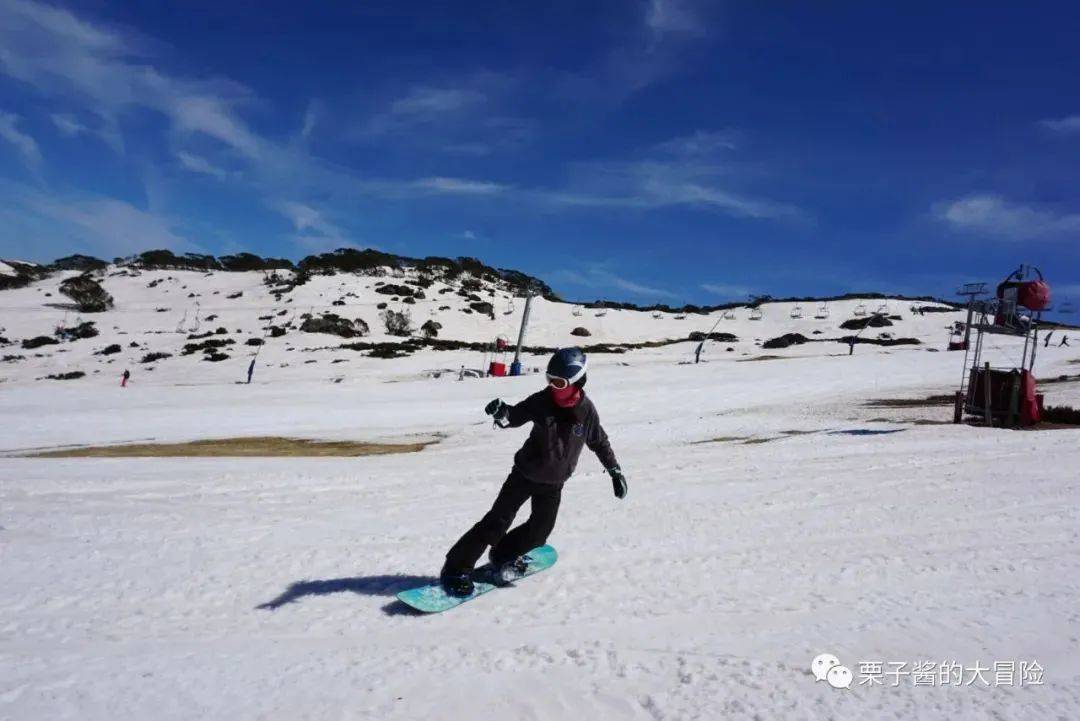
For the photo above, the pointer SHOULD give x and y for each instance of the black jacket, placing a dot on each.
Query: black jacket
(551, 453)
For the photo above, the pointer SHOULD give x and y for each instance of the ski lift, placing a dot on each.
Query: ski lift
(822, 312)
(756, 314)
(657, 315)
(509, 307)
(680, 317)
(601, 313)
(729, 314)
(796, 312)
(860, 310)
(882, 309)
(180, 325)
(576, 311)
(957, 336)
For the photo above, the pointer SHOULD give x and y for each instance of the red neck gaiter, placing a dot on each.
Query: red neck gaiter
(567, 397)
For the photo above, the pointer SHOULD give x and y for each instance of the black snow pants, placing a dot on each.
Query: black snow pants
(491, 530)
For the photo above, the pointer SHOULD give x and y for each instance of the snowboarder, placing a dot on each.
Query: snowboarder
(564, 421)
(251, 369)
(1064, 342)
(124, 378)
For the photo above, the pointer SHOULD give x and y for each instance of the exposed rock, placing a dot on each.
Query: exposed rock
(392, 289)
(579, 331)
(38, 341)
(698, 336)
(484, 308)
(785, 341)
(873, 321)
(69, 376)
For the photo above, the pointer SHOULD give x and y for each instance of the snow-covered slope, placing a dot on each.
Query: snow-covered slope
(772, 516)
(156, 310)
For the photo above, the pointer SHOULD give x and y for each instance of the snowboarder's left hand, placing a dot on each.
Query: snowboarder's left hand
(618, 482)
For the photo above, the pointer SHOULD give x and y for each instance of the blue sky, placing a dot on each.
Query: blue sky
(646, 150)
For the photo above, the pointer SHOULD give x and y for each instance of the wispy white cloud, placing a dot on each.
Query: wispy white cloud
(1062, 126)
(650, 184)
(55, 222)
(65, 57)
(22, 142)
(674, 16)
(994, 216)
(702, 143)
(598, 277)
(726, 290)
(459, 186)
(68, 125)
(199, 164)
(311, 116)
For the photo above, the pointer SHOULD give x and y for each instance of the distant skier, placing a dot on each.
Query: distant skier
(851, 345)
(564, 421)
(1064, 342)
(124, 378)
(251, 369)
(1047, 343)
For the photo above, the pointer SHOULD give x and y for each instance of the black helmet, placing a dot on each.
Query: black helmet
(569, 365)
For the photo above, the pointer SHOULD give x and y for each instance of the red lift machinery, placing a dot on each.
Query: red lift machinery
(1002, 396)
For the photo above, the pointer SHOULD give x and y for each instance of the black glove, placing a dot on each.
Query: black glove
(618, 482)
(497, 409)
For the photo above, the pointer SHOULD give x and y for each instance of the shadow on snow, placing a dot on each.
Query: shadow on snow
(384, 585)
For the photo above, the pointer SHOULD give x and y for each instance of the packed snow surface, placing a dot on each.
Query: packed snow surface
(772, 516)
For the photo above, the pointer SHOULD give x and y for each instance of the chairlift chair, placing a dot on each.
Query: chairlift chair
(729, 314)
(822, 312)
(601, 313)
(860, 310)
(756, 314)
(576, 311)
(657, 315)
(796, 312)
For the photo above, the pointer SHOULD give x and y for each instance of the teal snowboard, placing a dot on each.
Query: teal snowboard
(433, 599)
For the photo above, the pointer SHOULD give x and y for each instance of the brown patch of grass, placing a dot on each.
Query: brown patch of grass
(928, 402)
(722, 439)
(763, 358)
(758, 441)
(251, 447)
(1059, 379)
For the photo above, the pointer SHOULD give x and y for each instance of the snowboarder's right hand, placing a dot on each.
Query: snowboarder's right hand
(497, 409)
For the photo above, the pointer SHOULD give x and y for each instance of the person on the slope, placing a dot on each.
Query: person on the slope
(1047, 343)
(124, 378)
(564, 421)
(1064, 342)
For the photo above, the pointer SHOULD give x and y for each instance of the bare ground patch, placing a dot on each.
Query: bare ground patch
(245, 447)
(928, 402)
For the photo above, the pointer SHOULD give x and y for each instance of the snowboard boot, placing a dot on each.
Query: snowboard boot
(508, 571)
(458, 585)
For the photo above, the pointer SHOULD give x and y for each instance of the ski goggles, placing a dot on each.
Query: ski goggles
(557, 383)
